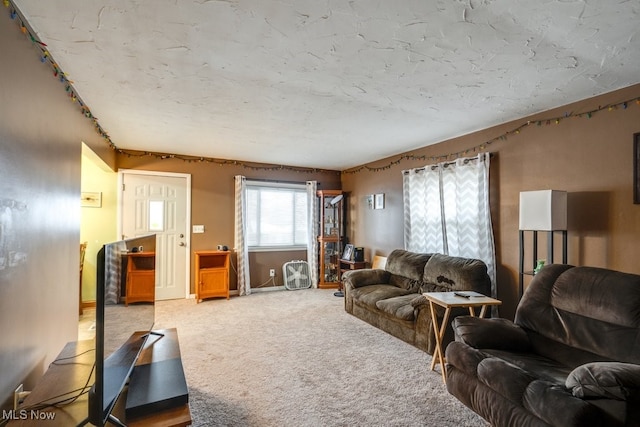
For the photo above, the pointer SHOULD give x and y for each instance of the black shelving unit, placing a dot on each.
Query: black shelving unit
(534, 252)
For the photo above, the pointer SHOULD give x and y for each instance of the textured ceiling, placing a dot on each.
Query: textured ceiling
(329, 84)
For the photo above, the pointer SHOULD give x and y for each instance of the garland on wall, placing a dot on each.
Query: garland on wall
(223, 162)
(623, 105)
(45, 57)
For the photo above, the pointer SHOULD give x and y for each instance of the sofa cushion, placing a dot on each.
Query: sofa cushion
(370, 295)
(406, 268)
(505, 378)
(544, 368)
(555, 405)
(399, 307)
(611, 380)
(497, 333)
(583, 308)
(405, 283)
(454, 274)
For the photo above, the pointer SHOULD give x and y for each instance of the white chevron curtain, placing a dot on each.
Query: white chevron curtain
(240, 232)
(446, 210)
(312, 231)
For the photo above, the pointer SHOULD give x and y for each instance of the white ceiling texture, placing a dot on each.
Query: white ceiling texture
(329, 83)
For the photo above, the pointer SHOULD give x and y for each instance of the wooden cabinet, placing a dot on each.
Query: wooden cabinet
(351, 265)
(331, 238)
(141, 277)
(212, 274)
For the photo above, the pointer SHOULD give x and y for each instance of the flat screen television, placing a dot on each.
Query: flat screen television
(121, 329)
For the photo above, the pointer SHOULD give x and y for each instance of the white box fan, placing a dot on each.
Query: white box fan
(296, 275)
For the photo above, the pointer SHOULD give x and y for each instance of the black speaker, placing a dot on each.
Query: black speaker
(358, 254)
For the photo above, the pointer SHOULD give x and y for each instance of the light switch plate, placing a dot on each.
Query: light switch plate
(198, 229)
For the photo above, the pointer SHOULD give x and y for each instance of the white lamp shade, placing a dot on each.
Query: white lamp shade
(543, 210)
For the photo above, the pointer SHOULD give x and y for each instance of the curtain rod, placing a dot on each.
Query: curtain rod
(466, 160)
(278, 181)
(283, 183)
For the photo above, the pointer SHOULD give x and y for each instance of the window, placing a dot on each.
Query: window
(276, 216)
(156, 215)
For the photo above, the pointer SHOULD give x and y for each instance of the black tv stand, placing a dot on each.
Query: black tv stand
(115, 421)
(155, 387)
(111, 419)
(158, 334)
(62, 377)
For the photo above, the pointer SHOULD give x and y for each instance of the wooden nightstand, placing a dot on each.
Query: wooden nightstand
(212, 274)
(344, 267)
(351, 265)
(141, 277)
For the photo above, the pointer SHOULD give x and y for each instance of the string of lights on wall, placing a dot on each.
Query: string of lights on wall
(45, 57)
(502, 137)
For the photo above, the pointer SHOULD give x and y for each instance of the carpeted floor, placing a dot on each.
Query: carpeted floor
(296, 358)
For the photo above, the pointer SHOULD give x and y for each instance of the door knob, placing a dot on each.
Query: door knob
(181, 244)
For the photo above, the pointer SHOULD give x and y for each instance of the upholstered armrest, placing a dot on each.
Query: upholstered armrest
(420, 301)
(611, 380)
(498, 334)
(365, 277)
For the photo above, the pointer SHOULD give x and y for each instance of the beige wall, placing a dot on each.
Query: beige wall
(212, 205)
(98, 224)
(41, 132)
(591, 158)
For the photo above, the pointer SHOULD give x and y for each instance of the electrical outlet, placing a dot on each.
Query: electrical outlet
(16, 396)
(272, 272)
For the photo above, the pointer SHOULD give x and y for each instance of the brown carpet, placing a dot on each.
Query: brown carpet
(295, 358)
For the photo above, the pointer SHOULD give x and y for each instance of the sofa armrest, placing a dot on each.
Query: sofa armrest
(611, 380)
(365, 277)
(498, 334)
(419, 302)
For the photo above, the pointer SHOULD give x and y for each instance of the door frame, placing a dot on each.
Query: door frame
(187, 176)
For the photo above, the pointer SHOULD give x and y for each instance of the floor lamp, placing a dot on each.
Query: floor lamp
(543, 210)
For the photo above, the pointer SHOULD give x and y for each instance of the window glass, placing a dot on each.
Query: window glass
(276, 217)
(156, 215)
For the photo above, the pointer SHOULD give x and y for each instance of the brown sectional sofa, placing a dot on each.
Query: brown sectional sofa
(391, 299)
(570, 358)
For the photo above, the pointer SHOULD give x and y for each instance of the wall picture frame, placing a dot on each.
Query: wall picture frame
(370, 201)
(91, 199)
(379, 201)
(347, 254)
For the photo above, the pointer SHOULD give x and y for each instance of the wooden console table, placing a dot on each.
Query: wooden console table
(71, 372)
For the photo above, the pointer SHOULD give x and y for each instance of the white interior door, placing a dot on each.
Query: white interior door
(158, 204)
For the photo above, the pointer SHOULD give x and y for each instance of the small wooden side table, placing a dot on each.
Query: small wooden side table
(449, 300)
(346, 265)
(212, 274)
(141, 277)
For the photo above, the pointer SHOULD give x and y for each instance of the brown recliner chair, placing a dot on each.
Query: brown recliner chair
(570, 358)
